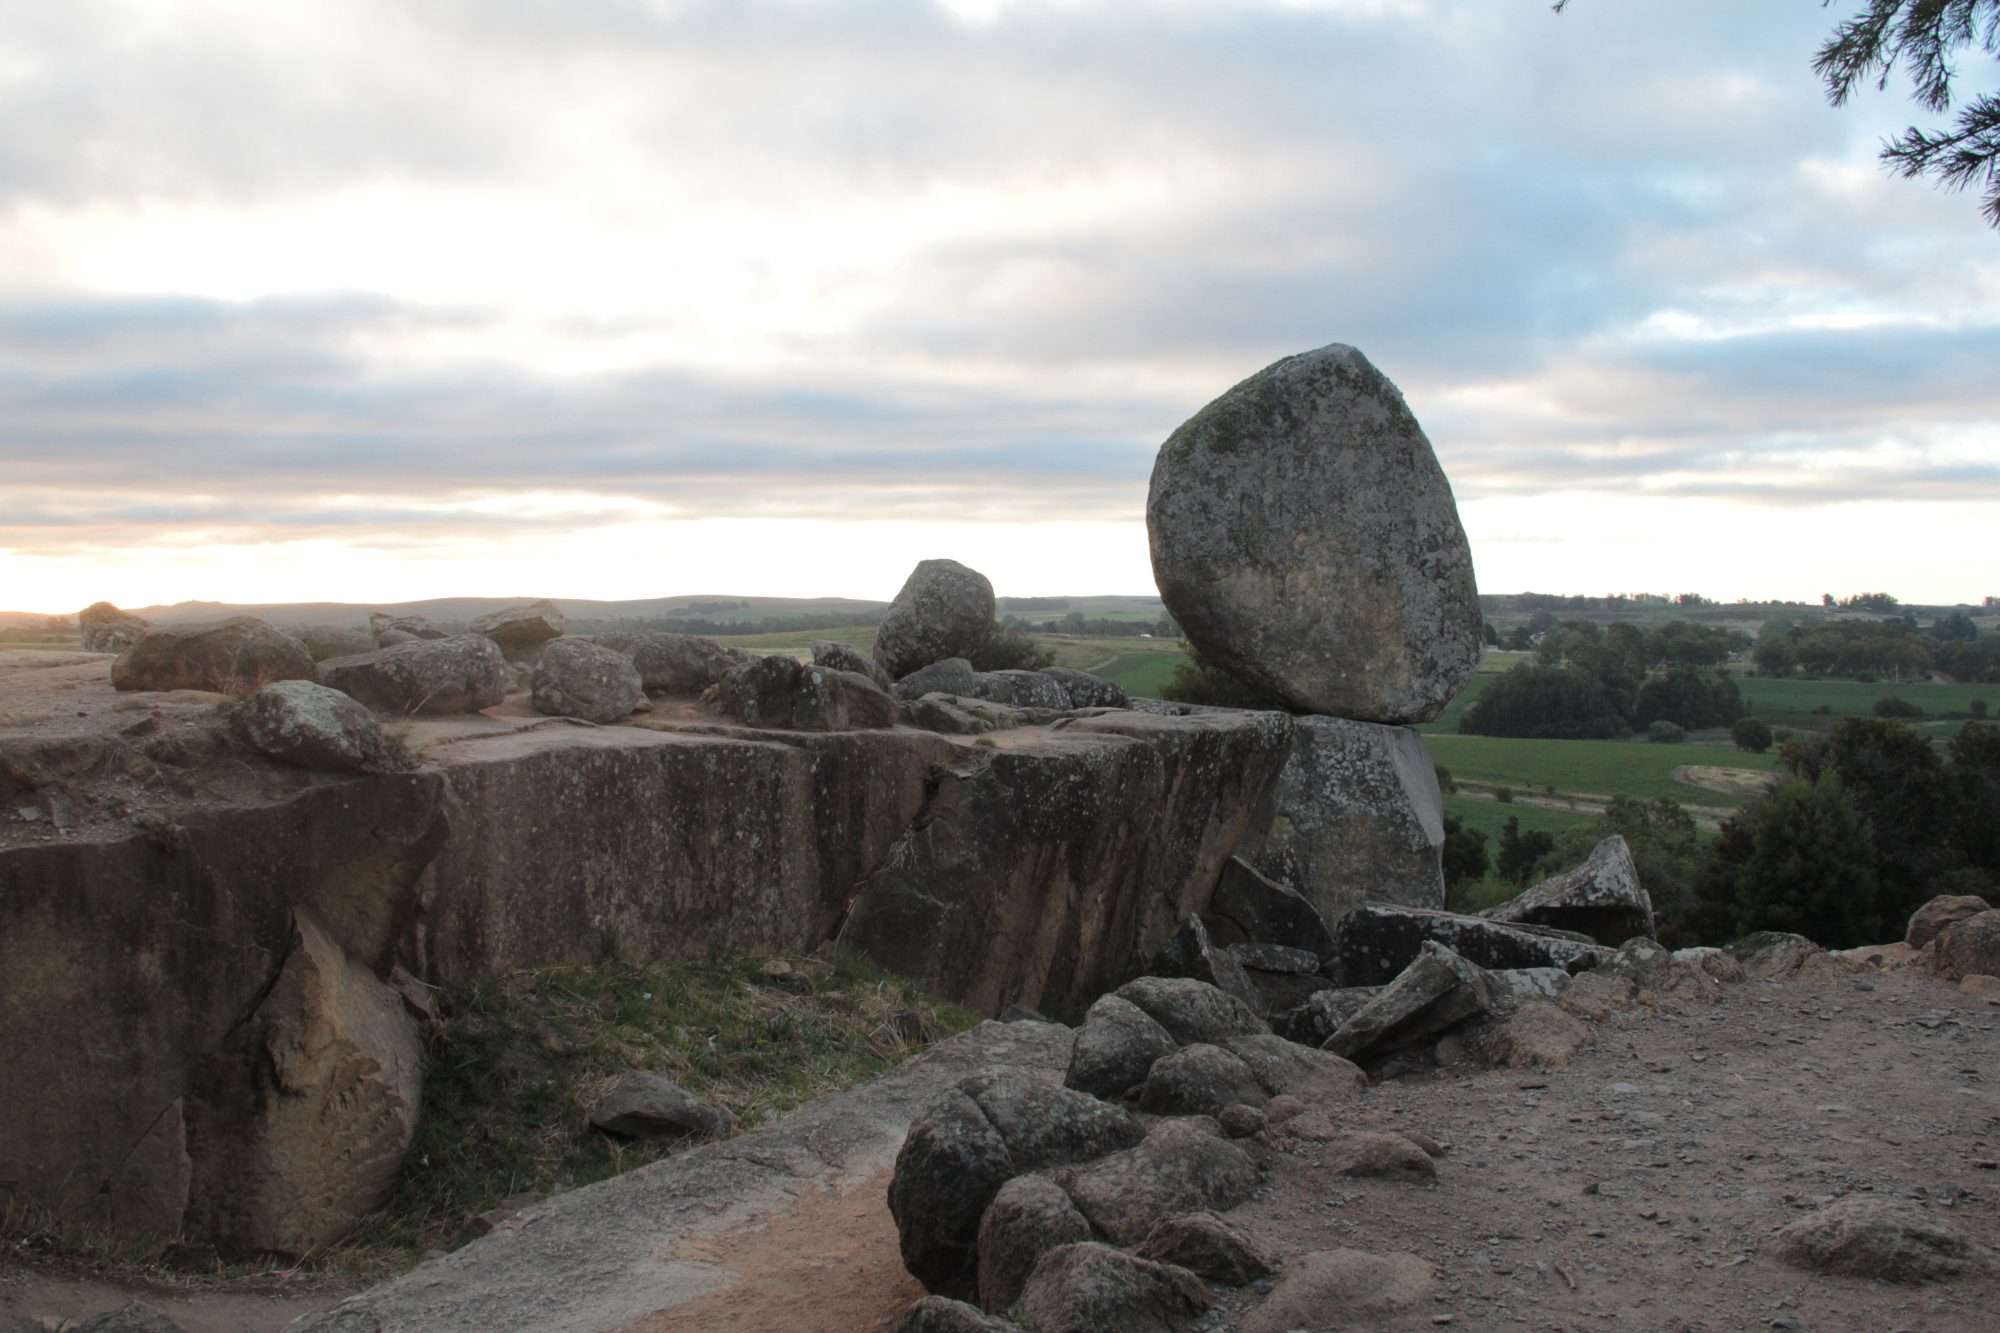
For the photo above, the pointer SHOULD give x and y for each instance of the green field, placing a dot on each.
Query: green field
(1797, 703)
(1608, 768)
(1489, 817)
(1143, 672)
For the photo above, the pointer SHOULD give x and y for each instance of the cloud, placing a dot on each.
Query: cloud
(407, 271)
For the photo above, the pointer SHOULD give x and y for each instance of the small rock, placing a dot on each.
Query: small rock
(1198, 1079)
(645, 1105)
(941, 1314)
(1208, 1247)
(1241, 1121)
(133, 1318)
(1352, 1282)
(1191, 1010)
(1184, 1164)
(578, 678)
(1027, 1218)
(1093, 1288)
(846, 657)
(461, 674)
(1115, 1048)
(1873, 1238)
(521, 629)
(1928, 921)
(306, 724)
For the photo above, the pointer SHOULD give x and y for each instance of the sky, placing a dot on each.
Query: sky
(379, 300)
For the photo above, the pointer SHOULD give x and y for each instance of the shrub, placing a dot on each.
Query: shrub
(1504, 795)
(1977, 707)
(1664, 732)
(1009, 648)
(1894, 707)
(1197, 682)
(1546, 702)
(1464, 853)
(1752, 735)
(1800, 859)
(1445, 783)
(1520, 852)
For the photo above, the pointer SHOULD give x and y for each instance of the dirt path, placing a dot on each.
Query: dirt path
(1707, 817)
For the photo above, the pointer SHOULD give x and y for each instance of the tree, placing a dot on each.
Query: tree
(1922, 36)
(1519, 852)
(1464, 853)
(1955, 628)
(1008, 648)
(1800, 859)
(1750, 734)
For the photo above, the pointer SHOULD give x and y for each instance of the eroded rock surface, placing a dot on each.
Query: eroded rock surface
(1304, 535)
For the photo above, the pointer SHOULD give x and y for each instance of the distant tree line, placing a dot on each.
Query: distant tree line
(1593, 682)
(1889, 649)
(672, 623)
(1104, 627)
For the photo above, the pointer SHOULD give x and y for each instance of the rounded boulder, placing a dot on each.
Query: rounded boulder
(1307, 541)
(944, 610)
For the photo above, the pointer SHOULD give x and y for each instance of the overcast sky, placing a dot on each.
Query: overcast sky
(384, 299)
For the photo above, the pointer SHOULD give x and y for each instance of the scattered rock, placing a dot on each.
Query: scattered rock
(578, 678)
(1981, 985)
(950, 676)
(1874, 1238)
(943, 610)
(1027, 1218)
(1190, 953)
(106, 629)
(1267, 912)
(381, 625)
(675, 664)
(520, 630)
(1772, 955)
(1534, 1035)
(1198, 1080)
(846, 657)
(1241, 1121)
(1021, 689)
(1350, 1282)
(1377, 1157)
(1311, 1023)
(1305, 537)
(1358, 816)
(941, 1314)
(969, 1142)
(1208, 1247)
(1531, 983)
(1286, 1068)
(1088, 691)
(1093, 1288)
(1376, 941)
(785, 693)
(304, 723)
(1183, 1165)
(1596, 995)
(462, 674)
(1601, 898)
(1717, 963)
(959, 715)
(1929, 920)
(1115, 1048)
(1660, 976)
(1191, 1010)
(227, 657)
(645, 1105)
(1432, 995)
(1969, 945)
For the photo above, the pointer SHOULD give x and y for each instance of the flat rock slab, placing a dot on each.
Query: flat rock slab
(688, 1242)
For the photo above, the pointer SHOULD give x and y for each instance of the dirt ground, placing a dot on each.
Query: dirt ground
(1634, 1189)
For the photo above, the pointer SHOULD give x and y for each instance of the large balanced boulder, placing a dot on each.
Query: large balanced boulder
(461, 674)
(675, 663)
(578, 678)
(786, 693)
(1601, 898)
(944, 610)
(520, 630)
(967, 1143)
(232, 656)
(1306, 539)
(304, 723)
(106, 629)
(1359, 816)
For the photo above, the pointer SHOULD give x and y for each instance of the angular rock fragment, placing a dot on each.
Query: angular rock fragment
(1267, 912)
(1088, 691)
(521, 629)
(1021, 689)
(1533, 1035)
(303, 723)
(1322, 1013)
(950, 676)
(1190, 953)
(846, 657)
(1358, 817)
(232, 656)
(646, 1105)
(578, 678)
(943, 610)
(1432, 995)
(1305, 537)
(462, 674)
(1376, 941)
(1601, 898)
